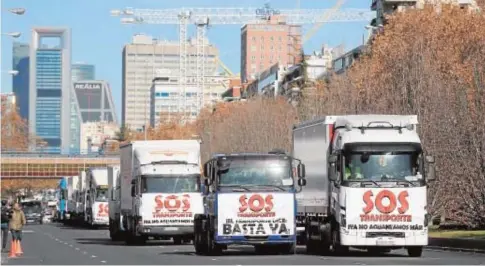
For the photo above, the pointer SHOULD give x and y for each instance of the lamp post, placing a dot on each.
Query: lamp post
(17, 11)
(11, 72)
(13, 34)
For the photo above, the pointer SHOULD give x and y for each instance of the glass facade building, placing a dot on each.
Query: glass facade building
(50, 89)
(20, 82)
(81, 71)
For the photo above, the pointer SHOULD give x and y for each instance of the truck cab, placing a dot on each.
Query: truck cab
(160, 190)
(373, 176)
(249, 199)
(97, 210)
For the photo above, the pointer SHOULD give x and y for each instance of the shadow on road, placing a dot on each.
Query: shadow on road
(249, 251)
(109, 242)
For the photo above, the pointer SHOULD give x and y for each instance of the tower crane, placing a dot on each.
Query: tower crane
(203, 17)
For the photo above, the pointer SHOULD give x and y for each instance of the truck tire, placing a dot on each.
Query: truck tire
(338, 249)
(213, 249)
(177, 240)
(288, 249)
(415, 251)
(200, 241)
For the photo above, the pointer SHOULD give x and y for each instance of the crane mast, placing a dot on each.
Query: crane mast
(227, 16)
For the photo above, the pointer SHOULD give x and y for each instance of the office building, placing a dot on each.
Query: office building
(82, 71)
(167, 100)
(95, 101)
(263, 45)
(20, 82)
(94, 134)
(142, 60)
(50, 87)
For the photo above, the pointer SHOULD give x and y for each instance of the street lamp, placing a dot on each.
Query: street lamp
(12, 72)
(17, 11)
(13, 34)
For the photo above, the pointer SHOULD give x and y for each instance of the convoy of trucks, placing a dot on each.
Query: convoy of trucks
(367, 184)
(352, 181)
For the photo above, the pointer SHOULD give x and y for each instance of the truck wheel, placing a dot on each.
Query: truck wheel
(200, 243)
(415, 251)
(336, 247)
(213, 249)
(288, 249)
(177, 240)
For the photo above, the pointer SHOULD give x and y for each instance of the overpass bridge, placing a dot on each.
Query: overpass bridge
(49, 166)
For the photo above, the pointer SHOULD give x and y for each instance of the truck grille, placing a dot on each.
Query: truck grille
(384, 234)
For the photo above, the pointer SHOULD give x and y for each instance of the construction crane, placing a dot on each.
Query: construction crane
(203, 17)
(309, 34)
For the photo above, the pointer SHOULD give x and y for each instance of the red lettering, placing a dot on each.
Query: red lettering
(269, 203)
(172, 203)
(392, 201)
(390, 207)
(403, 199)
(186, 202)
(158, 203)
(244, 204)
(369, 205)
(256, 203)
(103, 209)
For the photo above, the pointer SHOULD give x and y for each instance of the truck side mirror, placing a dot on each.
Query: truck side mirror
(332, 159)
(301, 171)
(207, 182)
(431, 175)
(206, 170)
(133, 194)
(302, 182)
(332, 171)
(133, 182)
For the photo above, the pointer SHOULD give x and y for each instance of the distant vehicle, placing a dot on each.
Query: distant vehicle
(33, 211)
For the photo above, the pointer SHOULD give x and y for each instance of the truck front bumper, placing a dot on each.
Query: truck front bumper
(384, 239)
(166, 230)
(259, 240)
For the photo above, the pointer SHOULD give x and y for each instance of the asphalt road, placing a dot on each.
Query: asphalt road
(59, 245)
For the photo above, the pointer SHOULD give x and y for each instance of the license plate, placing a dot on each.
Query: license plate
(171, 229)
(385, 242)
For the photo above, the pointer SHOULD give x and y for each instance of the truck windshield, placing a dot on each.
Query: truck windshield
(170, 183)
(257, 172)
(32, 207)
(101, 194)
(382, 166)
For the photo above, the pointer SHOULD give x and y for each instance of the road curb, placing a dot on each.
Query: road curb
(457, 244)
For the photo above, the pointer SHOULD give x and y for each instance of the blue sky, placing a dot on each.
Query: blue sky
(98, 38)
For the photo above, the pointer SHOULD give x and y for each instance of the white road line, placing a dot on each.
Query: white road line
(103, 261)
(93, 256)
(77, 248)
(84, 252)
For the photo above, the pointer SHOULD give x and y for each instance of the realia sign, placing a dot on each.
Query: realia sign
(87, 86)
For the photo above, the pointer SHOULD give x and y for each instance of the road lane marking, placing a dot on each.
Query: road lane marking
(103, 261)
(93, 256)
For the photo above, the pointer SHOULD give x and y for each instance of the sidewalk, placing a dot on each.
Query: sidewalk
(458, 244)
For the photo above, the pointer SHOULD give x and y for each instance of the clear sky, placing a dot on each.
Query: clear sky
(98, 38)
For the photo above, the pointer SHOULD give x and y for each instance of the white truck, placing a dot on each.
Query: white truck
(97, 210)
(116, 231)
(366, 184)
(160, 189)
(81, 198)
(72, 193)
